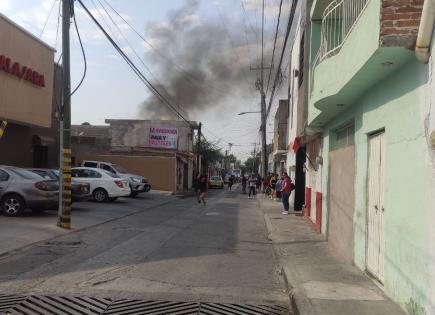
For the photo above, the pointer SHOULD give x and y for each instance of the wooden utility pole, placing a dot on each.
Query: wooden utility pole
(64, 219)
(198, 149)
(3, 125)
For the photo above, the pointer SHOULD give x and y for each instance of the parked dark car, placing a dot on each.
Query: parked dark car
(21, 189)
(79, 191)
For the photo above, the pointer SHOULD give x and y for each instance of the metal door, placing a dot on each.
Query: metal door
(375, 204)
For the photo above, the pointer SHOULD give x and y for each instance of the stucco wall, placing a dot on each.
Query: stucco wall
(396, 105)
(160, 171)
(20, 100)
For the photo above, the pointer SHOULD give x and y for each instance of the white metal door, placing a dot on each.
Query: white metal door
(375, 211)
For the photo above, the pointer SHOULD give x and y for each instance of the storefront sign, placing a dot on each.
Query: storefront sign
(21, 72)
(161, 137)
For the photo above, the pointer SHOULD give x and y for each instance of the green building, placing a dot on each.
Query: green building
(372, 102)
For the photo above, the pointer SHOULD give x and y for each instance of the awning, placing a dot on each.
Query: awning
(43, 140)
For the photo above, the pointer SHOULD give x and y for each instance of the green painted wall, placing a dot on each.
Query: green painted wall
(394, 104)
(332, 75)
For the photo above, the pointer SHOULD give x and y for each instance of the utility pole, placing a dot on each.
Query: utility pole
(255, 156)
(263, 103)
(64, 219)
(3, 125)
(198, 148)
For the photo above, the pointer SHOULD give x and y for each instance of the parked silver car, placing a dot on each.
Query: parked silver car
(21, 189)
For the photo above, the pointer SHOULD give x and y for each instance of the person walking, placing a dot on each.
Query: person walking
(252, 185)
(244, 182)
(202, 180)
(278, 187)
(286, 190)
(230, 182)
(273, 181)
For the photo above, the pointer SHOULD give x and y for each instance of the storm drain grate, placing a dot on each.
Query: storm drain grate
(241, 309)
(127, 307)
(8, 301)
(47, 305)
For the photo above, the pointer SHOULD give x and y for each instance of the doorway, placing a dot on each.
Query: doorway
(375, 206)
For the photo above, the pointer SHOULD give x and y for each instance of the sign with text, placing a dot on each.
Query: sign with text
(162, 137)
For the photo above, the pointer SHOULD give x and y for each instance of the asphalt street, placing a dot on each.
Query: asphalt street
(178, 250)
(33, 227)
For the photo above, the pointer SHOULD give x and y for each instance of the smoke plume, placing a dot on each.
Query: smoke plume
(207, 62)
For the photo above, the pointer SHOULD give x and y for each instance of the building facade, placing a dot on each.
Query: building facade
(279, 146)
(160, 150)
(370, 100)
(27, 100)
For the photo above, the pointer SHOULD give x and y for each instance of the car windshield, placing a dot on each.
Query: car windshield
(119, 169)
(56, 172)
(25, 173)
(215, 178)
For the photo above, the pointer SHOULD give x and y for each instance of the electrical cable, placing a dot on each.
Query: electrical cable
(139, 74)
(84, 57)
(189, 77)
(58, 25)
(274, 46)
(48, 18)
(289, 26)
(134, 51)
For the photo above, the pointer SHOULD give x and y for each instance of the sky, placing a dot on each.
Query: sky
(197, 52)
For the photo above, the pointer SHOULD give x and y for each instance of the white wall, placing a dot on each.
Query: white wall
(294, 95)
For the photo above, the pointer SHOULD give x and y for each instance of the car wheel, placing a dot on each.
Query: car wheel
(100, 195)
(133, 194)
(12, 205)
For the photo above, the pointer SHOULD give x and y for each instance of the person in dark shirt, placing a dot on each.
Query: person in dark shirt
(202, 180)
(230, 182)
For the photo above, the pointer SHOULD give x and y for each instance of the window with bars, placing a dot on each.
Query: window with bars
(345, 136)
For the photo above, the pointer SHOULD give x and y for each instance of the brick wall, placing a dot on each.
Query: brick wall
(400, 20)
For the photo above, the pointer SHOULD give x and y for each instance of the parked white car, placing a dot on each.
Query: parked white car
(104, 185)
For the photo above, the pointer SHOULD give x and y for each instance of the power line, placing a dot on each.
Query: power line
(84, 57)
(289, 26)
(230, 40)
(139, 74)
(48, 18)
(58, 25)
(274, 45)
(192, 79)
(135, 52)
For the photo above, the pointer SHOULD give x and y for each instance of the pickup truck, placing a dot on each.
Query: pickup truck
(138, 184)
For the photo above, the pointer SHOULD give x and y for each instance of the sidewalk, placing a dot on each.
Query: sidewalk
(318, 281)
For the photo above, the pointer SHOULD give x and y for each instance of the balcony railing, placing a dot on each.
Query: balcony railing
(338, 20)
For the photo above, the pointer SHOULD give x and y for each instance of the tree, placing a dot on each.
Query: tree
(251, 164)
(209, 151)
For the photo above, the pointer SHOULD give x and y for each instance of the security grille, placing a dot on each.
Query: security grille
(48, 305)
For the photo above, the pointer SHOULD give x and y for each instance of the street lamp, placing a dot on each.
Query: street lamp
(243, 113)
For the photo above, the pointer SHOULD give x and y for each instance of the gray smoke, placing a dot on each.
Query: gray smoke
(207, 54)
